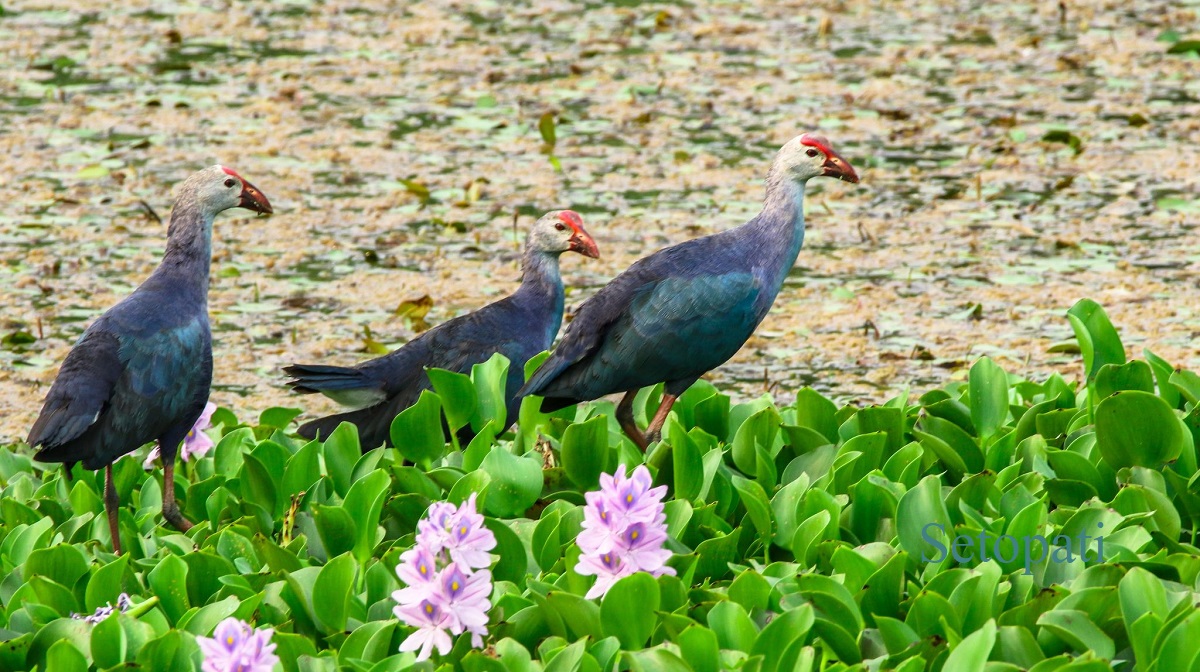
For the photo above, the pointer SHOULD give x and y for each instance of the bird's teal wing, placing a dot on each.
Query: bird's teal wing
(672, 328)
(676, 330)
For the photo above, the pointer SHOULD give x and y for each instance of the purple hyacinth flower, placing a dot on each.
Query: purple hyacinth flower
(631, 499)
(433, 531)
(236, 647)
(623, 530)
(431, 621)
(621, 502)
(460, 531)
(467, 598)
(641, 547)
(470, 540)
(447, 586)
(419, 572)
(124, 603)
(607, 568)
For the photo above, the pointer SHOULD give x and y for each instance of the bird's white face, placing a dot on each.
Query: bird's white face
(219, 188)
(562, 231)
(808, 156)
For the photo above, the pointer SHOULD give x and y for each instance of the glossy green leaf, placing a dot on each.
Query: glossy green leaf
(515, 482)
(733, 626)
(585, 452)
(417, 430)
(490, 380)
(1137, 428)
(989, 397)
(342, 451)
(1134, 375)
(1098, 339)
(627, 610)
(457, 394)
(332, 593)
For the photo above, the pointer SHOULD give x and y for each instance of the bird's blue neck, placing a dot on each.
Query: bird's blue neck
(779, 228)
(542, 288)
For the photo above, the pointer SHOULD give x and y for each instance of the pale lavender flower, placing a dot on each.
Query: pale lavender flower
(195, 445)
(470, 540)
(642, 547)
(460, 531)
(433, 531)
(431, 622)
(418, 570)
(623, 530)
(447, 586)
(236, 647)
(94, 618)
(621, 502)
(599, 532)
(606, 567)
(467, 598)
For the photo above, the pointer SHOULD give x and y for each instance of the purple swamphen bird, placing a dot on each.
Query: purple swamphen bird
(683, 311)
(518, 326)
(142, 371)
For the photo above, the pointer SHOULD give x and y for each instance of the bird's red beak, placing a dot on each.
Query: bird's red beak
(253, 199)
(581, 241)
(836, 166)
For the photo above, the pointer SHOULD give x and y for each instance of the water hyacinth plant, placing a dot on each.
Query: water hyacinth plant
(447, 584)
(351, 556)
(237, 647)
(623, 530)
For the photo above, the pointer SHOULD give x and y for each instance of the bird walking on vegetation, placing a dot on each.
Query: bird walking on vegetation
(685, 310)
(142, 371)
(518, 326)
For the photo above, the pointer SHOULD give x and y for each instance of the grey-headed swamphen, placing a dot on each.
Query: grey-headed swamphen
(683, 311)
(142, 371)
(518, 326)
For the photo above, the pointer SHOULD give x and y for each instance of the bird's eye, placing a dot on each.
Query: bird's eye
(559, 226)
(811, 152)
(230, 182)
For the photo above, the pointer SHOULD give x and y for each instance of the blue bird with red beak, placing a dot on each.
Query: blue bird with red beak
(143, 370)
(518, 326)
(675, 315)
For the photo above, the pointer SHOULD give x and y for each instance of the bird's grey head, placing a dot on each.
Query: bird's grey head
(809, 155)
(561, 231)
(218, 188)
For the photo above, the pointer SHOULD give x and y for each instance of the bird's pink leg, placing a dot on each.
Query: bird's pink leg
(111, 507)
(170, 508)
(625, 419)
(654, 431)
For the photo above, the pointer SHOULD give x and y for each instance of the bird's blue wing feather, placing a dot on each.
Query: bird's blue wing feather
(81, 392)
(165, 370)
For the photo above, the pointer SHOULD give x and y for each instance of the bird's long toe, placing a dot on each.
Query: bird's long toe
(175, 517)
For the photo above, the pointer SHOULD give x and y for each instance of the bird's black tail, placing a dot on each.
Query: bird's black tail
(348, 386)
(372, 433)
(310, 378)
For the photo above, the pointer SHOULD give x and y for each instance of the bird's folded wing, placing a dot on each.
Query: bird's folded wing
(682, 327)
(158, 362)
(586, 332)
(81, 392)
